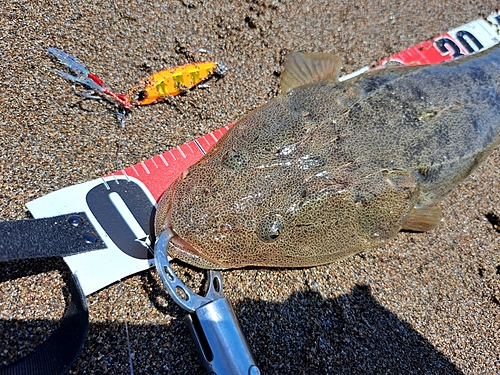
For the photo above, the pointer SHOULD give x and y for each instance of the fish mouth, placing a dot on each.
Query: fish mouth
(163, 220)
(176, 239)
(180, 249)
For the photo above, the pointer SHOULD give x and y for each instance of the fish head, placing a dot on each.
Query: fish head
(223, 215)
(247, 204)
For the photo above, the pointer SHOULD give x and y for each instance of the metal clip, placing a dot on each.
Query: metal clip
(216, 332)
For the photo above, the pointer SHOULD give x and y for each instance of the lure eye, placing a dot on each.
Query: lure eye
(270, 227)
(142, 95)
(234, 159)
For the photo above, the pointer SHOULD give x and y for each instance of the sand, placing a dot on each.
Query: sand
(424, 304)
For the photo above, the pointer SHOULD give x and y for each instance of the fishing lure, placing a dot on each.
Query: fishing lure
(153, 89)
(173, 81)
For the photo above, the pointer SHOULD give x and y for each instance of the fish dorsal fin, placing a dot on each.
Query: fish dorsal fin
(302, 68)
(423, 218)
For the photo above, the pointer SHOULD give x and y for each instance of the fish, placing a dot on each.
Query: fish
(329, 169)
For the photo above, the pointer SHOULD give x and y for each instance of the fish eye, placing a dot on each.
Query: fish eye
(234, 159)
(270, 227)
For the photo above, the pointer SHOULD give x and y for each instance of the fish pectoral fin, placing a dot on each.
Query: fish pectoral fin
(302, 68)
(423, 218)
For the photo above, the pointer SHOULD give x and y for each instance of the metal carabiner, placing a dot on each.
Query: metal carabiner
(180, 293)
(213, 325)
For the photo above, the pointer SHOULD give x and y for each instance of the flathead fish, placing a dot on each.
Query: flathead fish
(329, 169)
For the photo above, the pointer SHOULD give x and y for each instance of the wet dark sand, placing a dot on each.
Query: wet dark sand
(424, 304)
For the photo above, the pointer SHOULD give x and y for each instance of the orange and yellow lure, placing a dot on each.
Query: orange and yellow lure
(154, 89)
(173, 81)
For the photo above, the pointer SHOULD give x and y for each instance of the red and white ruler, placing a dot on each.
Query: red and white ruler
(121, 205)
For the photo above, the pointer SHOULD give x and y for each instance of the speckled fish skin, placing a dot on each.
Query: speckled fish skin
(330, 169)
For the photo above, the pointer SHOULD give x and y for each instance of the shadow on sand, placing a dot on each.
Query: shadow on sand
(306, 334)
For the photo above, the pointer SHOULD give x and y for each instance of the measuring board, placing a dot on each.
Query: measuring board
(121, 205)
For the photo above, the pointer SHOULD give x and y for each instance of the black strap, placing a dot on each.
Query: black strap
(54, 236)
(56, 354)
(57, 236)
